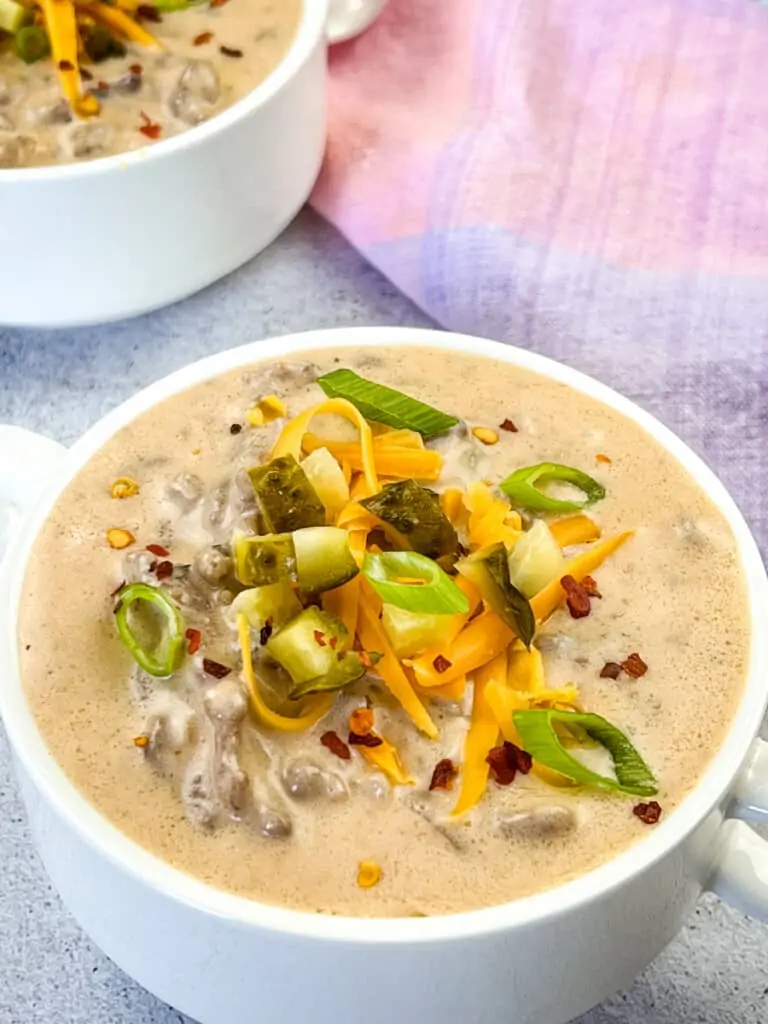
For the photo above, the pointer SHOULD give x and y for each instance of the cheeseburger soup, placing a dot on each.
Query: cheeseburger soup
(390, 658)
(81, 79)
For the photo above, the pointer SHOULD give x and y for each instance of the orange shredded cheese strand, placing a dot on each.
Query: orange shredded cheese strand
(122, 23)
(373, 638)
(574, 530)
(452, 504)
(451, 691)
(482, 736)
(481, 640)
(61, 25)
(318, 707)
(290, 440)
(386, 758)
(552, 596)
(398, 462)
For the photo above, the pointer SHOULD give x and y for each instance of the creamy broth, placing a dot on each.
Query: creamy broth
(212, 57)
(674, 594)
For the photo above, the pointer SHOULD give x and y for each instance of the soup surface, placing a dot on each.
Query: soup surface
(210, 56)
(320, 818)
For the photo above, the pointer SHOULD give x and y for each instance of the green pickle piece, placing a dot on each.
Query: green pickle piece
(488, 570)
(412, 514)
(287, 499)
(263, 560)
(312, 650)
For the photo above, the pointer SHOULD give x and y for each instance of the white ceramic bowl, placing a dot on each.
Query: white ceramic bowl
(91, 242)
(539, 960)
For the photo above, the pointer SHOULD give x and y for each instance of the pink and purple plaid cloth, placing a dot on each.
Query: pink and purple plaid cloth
(587, 179)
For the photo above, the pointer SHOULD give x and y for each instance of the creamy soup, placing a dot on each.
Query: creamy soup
(209, 56)
(285, 760)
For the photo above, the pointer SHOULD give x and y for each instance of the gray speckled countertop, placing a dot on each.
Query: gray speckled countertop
(716, 972)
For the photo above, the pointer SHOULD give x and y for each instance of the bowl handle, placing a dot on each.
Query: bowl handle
(741, 875)
(26, 460)
(348, 18)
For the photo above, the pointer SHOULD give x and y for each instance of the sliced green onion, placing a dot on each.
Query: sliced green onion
(385, 405)
(162, 657)
(12, 16)
(538, 736)
(31, 44)
(521, 487)
(437, 595)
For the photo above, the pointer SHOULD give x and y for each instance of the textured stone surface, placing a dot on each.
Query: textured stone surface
(716, 972)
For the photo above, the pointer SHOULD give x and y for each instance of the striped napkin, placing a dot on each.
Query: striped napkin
(587, 179)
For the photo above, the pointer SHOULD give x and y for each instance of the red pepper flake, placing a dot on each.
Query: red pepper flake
(649, 814)
(336, 745)
(217, 3)
(159, 550)
(66, 65)
(149, 127)
(506, 761)
(118, 588)
(136, 69)
(603, 459)
(164, 570)
(368, 740)
(230, 51)
(590, 586)
(634, 666)
(441, 664)
(202, 38)
(141, 741)
(509, 426)
(86, 75)
(319, 638)
(215, 669)
(365, 659)
(610, 670)
(148, 12)
(576, 596)
(265, 632)
(444, 774)
(332, 642)
(361, 721)
(102, 86)
(194, 636)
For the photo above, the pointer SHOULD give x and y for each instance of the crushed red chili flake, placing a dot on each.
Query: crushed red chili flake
(202, 38)
(148, 12)
(194, 636)
(153, 565)
(217, 3)
(86, 75)
(590, 586)
(634, 666)
(576, 597)
(164, 570)
(141, 741)
(506, 761)
(102, 86)
(265, 633)
(336, 745)
(235, 428)
(649, 813)
(230, 51)
(509, 426)
(610, 670)
(603, 459)
(136, 69)
(66, 65)
(215, 669)
(332, 642)
(355, 739)
(149, 127)
(159, 550)
(444, 774)
(319, 638)
(441, 664)
(118, 588)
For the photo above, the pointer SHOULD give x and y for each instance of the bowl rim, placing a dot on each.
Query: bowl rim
(61, 794)
(312, 26)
